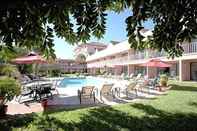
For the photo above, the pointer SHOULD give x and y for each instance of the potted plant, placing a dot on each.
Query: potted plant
(163, 80)
(9, 88)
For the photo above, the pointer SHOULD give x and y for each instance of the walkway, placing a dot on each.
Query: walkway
(69, 98)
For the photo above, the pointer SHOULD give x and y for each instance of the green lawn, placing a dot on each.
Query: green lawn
(175, 111)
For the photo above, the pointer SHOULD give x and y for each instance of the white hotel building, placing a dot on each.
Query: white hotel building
(120, 58)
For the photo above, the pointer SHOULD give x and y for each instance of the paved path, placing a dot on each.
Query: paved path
(14, 108)
(68, 97)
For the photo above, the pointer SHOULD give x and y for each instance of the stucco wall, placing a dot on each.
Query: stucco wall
(118, 70)
(131, 69)
(186, 68)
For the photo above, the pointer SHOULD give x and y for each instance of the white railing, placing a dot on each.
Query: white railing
(190, 48)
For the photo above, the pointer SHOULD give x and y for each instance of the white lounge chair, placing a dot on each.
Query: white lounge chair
(138, 77)
(122, 76)
(131, 75)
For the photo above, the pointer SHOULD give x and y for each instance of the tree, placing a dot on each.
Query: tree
(8, 53)
(9, 70)
(32, 23)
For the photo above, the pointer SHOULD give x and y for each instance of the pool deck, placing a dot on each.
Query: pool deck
(67, 97)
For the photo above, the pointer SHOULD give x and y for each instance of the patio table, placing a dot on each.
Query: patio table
(39, 88)
(43, 89)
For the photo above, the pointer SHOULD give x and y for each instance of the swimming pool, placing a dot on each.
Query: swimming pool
(80, 82)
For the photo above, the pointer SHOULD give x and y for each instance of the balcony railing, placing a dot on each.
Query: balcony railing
(188, 49)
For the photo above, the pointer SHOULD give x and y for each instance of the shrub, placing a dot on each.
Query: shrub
(9, 70)
(9, 88)
(98, 72)
(55, 73)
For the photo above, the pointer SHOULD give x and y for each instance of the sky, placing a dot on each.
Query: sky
(115, 30)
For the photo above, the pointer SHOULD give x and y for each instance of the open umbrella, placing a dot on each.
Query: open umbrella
(155, 63)
(31, 58)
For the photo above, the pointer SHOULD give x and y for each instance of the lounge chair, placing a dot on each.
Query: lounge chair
(105, 75)
(87, 92)
(122, 76)
(154, 82)
(109, 75)
(25, 92)
(106, 90)
(130, 88)
(54, 86)
(131, 76)
(138, 77)
(24, 79)
(142, 85)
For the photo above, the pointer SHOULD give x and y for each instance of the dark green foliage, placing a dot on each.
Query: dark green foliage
(9, 70)
(175, 22)
(26, 68)
(32, 23)
(9, 88)
(98, 72)
(55, 73)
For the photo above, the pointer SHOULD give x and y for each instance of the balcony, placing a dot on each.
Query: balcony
(190, 48)
(147, 54)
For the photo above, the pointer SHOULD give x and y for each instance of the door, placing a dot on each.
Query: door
(194, 71)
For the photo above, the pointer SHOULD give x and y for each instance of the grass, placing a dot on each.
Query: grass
(175, 111)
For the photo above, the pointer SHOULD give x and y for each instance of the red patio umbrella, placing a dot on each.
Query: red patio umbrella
(155, 63)
(29, 59)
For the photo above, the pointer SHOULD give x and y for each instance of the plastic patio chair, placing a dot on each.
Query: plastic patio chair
(142, 85)
(131, 76)
(138, 77)
(106, 90)
(87, 92)
(130, 88)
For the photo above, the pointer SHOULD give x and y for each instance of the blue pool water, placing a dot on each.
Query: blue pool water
(80, 82)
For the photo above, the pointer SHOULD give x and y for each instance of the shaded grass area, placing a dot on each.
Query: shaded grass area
(176, 111)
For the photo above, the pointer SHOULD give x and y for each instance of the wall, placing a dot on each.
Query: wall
(131, 69)
(186, 68)
(118, 70)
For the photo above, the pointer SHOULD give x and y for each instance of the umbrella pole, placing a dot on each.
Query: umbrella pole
(147, 71)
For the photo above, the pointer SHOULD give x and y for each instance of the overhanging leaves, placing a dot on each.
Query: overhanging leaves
(24, 22)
